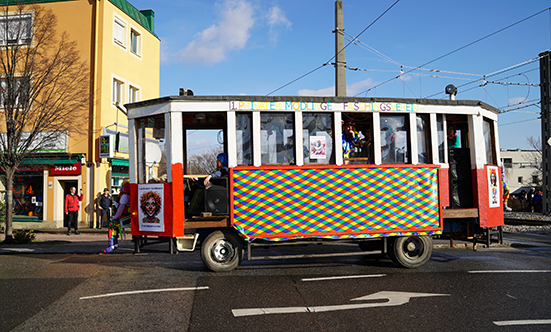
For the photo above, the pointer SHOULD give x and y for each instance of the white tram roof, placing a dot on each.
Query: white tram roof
(306, 104)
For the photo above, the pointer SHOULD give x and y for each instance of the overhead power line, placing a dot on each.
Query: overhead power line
(458, 49)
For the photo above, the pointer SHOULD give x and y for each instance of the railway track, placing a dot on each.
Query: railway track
(526, 222)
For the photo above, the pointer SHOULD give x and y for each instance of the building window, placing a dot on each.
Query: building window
(535, 179)
(133, 94)
(135, 42)
(117, 92)
(520, 180)
(16, 29)
(118, 32)
(15, 95)
(508, 162)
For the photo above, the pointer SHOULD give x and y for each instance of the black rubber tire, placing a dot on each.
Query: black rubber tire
(222, 251)
(410, 251)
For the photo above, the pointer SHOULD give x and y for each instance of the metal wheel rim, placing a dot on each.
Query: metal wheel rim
(222, 251)
(413, 248)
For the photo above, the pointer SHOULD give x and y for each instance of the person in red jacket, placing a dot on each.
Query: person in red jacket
(72, 205)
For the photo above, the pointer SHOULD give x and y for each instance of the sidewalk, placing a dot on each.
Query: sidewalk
(93, 241)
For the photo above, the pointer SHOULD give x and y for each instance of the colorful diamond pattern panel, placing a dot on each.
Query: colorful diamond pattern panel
(322, 202)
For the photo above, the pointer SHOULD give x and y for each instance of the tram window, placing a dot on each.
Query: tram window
(489, 141)
(423, 139)
(357, 138)
(244, 139)
(440, 137)
(394, 139)
(318, 138)
(277, 138)
(151, 139)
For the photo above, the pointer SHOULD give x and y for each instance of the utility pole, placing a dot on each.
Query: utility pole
(340, 62)
(545, 88)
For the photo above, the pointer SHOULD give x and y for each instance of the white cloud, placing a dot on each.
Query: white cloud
(351, 89)
(277, 18)
(517, 100)
(231, 33)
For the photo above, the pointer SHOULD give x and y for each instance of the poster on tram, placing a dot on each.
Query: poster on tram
(493, 186)
(150, 213)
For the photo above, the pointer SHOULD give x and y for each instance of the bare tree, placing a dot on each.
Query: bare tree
(204, 163)
(44, 88)
(535, 160)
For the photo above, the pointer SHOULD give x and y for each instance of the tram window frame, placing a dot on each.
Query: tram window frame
(326, 141)
(240, 143)
(489, 141)
(364, 127)
(423, 134)
(406, 127)
(441, 138)
(288, 127)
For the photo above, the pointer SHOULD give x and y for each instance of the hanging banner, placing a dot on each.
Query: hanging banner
(150, 213)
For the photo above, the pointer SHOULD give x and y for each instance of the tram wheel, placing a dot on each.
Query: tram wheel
(222, 251)
(410, 251)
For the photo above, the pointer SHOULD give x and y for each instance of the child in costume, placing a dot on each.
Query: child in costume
(122, 216)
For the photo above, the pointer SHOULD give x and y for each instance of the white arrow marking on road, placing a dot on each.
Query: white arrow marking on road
(394, 299)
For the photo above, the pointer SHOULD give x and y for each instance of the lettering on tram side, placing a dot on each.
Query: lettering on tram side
(325, 106)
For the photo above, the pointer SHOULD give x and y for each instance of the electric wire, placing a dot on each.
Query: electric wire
(328, 62)
(458, 49)
(510, 123)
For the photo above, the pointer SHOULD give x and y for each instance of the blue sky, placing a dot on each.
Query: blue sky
(254, 47)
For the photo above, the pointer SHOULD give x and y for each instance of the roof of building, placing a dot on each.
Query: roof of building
(137, 15)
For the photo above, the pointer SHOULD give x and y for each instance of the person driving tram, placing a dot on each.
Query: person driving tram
(197, 202)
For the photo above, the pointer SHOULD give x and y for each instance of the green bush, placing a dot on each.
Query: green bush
(23, 237)
(2, 211)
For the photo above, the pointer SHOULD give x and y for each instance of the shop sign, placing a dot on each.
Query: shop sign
(70, 169)
(106, 146)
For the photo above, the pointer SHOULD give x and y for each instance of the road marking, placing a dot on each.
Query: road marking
(512, 271)
(394, 299)
(344, 277)
(523, 322)
(145, 291)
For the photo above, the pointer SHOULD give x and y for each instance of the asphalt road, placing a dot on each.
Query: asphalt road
(457, 290)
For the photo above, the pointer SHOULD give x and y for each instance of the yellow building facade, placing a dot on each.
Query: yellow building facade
(123, 54)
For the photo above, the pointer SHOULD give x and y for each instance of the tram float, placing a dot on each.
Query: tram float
(418, 168)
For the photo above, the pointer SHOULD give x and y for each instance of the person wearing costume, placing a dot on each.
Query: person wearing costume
(351, 140)
(122, 215)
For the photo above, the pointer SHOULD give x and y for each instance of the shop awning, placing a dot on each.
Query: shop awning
(119, 162)
(51, 160)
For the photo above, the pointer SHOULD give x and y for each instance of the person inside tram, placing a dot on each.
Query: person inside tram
(196, 204)
(354, 144)
(453, 138)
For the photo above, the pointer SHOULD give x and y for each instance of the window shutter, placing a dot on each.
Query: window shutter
(118, 32)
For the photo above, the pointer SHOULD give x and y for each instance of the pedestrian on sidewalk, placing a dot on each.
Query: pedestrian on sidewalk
(105, 202)
(72, 205)
(123, 214)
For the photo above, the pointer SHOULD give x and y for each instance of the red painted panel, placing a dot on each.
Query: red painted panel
(489, 216)
(178, 199)
(171, 230)
(444, 186)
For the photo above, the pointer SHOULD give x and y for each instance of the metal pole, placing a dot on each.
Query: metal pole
(545, 88)
(340, 62)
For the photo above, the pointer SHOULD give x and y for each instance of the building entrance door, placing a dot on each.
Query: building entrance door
(67, 185)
